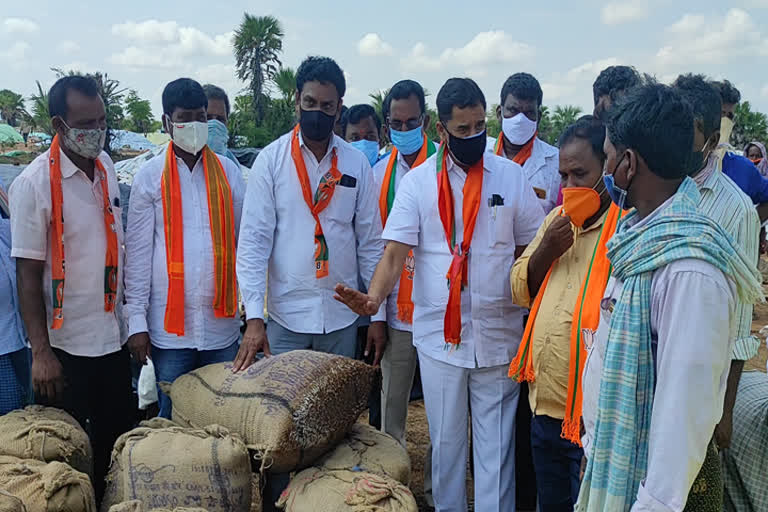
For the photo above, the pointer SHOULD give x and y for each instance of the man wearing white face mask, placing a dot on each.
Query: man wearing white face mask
(66, 204)
(184, 216)
(519, 113)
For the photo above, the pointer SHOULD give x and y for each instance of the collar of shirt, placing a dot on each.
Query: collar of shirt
(708, 175)
(333, 143)
(636, 222)
(68, 167)
(454, 168)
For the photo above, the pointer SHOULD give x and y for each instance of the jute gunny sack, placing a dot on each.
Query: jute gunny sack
(47, 486)
(180, 467)
(290, 409)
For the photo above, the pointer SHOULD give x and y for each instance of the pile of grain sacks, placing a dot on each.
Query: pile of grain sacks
(45, 462)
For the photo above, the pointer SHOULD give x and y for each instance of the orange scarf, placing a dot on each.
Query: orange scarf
(222, 219)
(322, 198)
(523, 155)
(57, 237)
(386, 200)
(586, 317)
(458, 271)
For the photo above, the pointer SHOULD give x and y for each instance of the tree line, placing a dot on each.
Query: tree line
(265, 109)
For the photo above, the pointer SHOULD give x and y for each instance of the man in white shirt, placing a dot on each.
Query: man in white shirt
(467, 332)
(309, 221)
(304, 251)
(66, 204)
(199, 333)
(655, 377)
(519, 114)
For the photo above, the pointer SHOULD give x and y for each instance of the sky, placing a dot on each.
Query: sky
(565, 44)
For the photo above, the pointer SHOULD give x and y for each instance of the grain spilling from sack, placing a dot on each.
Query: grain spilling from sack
(290, 408)
(338, 491)
(45, 434)
(10, 503)
(179, 467)
(368, 449)
(47, 486)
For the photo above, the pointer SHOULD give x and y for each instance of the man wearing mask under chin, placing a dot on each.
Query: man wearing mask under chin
(519, 113)
(184, 216)
(66, 204)
(561, 277)
(218, 116)
(464, 213)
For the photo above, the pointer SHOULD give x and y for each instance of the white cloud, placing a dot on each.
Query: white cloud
(165, 44)
(15, 55)
(764, 92)
(711, 40)
(68, 47)
(623, 12)
(372, 45)
(576, 81)
(486, 48)
(20, 26)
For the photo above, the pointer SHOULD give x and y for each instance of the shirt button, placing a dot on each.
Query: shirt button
(569, 286)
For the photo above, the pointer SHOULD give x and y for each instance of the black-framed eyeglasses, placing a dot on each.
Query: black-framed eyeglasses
(409, 125)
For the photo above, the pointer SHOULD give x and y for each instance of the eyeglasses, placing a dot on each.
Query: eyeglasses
(400, 126)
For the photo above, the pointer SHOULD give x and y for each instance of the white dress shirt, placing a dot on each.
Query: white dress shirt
(277, 238)
(87, 330)
(542, 171)
(146, 273)
(379, 171)
(692, 327)
(491, 324)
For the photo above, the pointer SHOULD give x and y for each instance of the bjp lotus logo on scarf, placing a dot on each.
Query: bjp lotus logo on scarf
(58, 294)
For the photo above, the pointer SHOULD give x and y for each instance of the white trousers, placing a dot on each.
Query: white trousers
(449, 393)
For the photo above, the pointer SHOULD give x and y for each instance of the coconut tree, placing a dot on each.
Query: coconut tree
(41, 118)
(258, 43)
(12, 107)
(562, 118)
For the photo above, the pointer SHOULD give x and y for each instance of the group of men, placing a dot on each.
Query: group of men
(593, 300)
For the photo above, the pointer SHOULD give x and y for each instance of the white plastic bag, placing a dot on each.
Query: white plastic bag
(147, 387)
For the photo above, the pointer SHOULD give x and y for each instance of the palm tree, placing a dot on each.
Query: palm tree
(41, 117)
(12, 107)
(257, 43)
(285, 80)
(377, 102)
(562, 118)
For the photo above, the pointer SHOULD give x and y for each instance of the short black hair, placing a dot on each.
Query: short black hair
(402, 90)
(183, 93)
(704, 100)
(614, 80)
(729, 94)
(657, 122)
(357, 113)
(588, 128)
(323, 70)
(460, 93)
(214, 92)
(57, 96)
(522, 86)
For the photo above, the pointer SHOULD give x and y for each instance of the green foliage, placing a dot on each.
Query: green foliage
(41, 119)
(377, 102)
(492, 125)
(279, 119)
(559, 120)
(285, 80)
(140, 115)
(12, 107)
(750, 126)
(258, 42)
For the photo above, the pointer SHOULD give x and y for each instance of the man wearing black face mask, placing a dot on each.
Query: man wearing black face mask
(466, 213)
(310, 221)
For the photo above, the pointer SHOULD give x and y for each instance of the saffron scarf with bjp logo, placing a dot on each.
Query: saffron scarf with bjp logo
(458, 272)
(318, 203)
(222, 219)
(523, 155)
(386, 200)
(586, 317)
(57, 236)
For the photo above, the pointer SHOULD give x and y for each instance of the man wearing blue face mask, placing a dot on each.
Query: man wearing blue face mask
(218, 116)
(519, 113)
(361, 127)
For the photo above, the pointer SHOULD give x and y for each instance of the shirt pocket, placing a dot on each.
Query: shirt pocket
(342, 206)
(501, 226)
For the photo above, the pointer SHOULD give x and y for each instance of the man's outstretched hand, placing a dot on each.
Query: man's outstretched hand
(359, 302)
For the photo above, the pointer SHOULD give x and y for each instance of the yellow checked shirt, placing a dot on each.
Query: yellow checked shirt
(552, 331)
